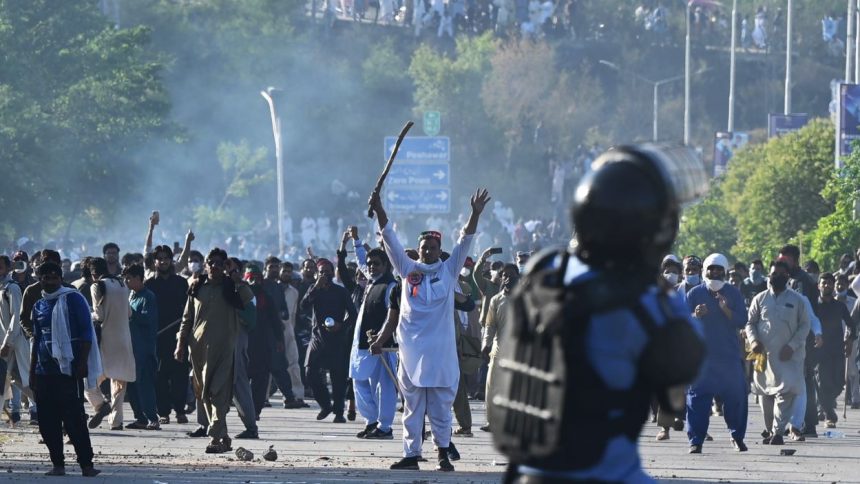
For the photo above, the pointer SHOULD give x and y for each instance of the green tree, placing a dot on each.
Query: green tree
(526, 89)
(706, 227)
(782, 193)
(77, 98)
(838, 232)
(243, 170)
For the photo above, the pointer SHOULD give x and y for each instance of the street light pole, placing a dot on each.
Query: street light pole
(731, 126)
(276, 130)
(787, 107)
(687, 81)
(655, 133)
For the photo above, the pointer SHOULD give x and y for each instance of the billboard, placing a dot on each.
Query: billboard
(848, 116)
(782, 124)
(725, 145)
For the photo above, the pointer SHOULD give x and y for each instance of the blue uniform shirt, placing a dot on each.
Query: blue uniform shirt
(615, 343)
(80, 329)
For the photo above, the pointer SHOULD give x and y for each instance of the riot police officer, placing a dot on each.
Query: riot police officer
(594, 334)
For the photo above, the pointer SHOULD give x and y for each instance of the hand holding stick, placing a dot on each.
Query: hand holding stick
(390, 162)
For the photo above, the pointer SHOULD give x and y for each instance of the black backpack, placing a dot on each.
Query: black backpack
(546, 395)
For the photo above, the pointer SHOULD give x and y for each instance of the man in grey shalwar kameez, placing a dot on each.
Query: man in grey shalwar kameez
(777, 327)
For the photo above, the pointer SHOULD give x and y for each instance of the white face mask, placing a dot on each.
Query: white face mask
(194, 267)
(465, 272)
(714, 284)
(671, 277)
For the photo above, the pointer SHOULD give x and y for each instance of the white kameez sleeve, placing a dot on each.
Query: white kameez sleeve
(401, 262)
(459, 254)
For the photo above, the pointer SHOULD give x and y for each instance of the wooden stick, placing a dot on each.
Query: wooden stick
(390, 162)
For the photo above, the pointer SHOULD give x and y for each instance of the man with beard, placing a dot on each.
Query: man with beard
(430, 371)
(171, 294)
(332, 311)
(209, 328)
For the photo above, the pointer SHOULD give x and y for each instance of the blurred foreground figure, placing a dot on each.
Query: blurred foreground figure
(592, 335)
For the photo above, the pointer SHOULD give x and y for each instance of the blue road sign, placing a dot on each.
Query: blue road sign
(420, 148)
(419, 174)
(418, 200)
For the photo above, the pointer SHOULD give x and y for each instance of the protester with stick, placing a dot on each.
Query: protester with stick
(426, 328)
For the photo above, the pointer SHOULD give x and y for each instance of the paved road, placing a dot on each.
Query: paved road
(311, 452)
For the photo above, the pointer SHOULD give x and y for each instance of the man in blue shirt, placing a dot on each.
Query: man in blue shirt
(720, 308)
(63, 335)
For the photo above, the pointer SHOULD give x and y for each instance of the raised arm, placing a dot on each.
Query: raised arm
(461, 250)
(399, 260)
(478, 201)
(186, 250)
(153, 221)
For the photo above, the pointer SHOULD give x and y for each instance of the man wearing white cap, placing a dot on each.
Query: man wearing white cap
(720, 308)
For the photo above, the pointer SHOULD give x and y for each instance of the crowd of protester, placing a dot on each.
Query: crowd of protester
(782, 331)
(173, 332)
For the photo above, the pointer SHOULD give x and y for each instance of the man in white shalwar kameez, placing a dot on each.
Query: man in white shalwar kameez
(777, 327)
(429, 370)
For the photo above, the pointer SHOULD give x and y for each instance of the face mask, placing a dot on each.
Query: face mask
(714, 284)
(842, 293)
(693, 280)
(522, 268)
(194, 267)
(362, 283)
(671, 277)
(465, 272)
(778, 281)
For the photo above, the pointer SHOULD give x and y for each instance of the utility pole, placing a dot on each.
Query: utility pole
(787, 107)
(687, 81)
(731, 126)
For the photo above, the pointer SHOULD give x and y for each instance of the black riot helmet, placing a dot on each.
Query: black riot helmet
(625, 212)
